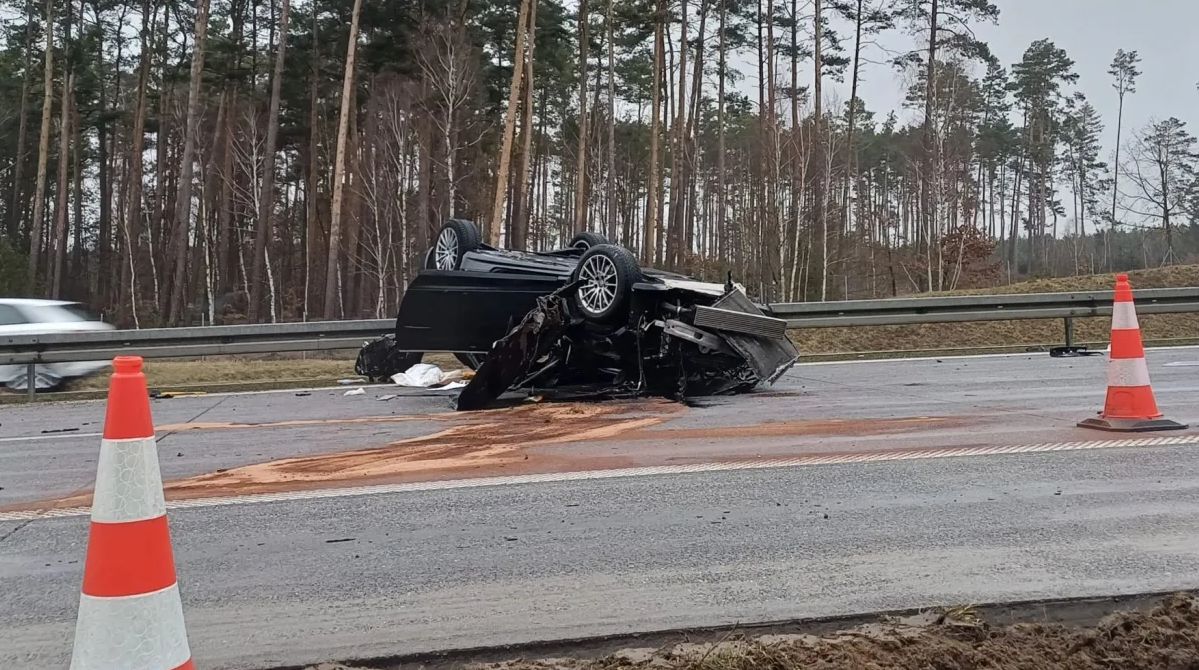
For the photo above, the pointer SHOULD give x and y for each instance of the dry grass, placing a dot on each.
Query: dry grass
(1007, 334)
(1165, 277)
(243, 373)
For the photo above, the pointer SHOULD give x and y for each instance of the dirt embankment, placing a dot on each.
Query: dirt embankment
(1165, 637)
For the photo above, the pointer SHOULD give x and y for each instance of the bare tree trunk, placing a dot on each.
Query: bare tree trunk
(772, 246)
(674, 237)
(267, 198)
(58, 247)
(850, 150)
(333, 267)
(612, 234)
(43, 156)
(496, 222)
(14, 218)
(104, 273)
(310, 185)
(156, 229)
(722, 198)
(1107, 263)
(649, 251)
(928, 207)
(822, 183)
(132, 215)
(521, 207)
(580, 222)
(187, 168)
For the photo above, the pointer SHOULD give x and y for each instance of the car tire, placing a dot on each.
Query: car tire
(606, 273)
(585, 240)
(455, 238)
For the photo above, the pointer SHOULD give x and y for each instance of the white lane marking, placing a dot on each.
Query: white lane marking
(551, 477)
(950, 357)
(55, 436)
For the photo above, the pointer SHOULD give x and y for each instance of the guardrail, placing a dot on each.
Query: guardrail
(902, 311)
(190, 341)
(31, 350)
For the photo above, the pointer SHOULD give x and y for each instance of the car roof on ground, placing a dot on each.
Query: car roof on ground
(35, 302)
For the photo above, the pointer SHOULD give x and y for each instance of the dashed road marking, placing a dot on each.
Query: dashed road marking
(760, 464)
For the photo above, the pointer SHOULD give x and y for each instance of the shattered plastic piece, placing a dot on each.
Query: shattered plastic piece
(349, 382)
(357, 391)
(389, 396)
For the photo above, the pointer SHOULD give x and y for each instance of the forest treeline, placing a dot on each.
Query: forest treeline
(226, 161)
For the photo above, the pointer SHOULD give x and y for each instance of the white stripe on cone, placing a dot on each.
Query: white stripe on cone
(1127, 372)
(128, 482)
(143, 632)
(1124, 316)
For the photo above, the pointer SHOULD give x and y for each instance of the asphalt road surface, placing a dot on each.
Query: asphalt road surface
(736, 509)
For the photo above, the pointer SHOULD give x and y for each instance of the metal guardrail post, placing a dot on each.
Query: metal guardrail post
(1069, 331)
(30, 382)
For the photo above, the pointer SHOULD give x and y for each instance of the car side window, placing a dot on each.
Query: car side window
(9, 316)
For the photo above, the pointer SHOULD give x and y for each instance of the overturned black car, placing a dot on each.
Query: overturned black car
(583, 317)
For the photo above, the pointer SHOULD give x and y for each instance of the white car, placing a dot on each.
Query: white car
(19, 316)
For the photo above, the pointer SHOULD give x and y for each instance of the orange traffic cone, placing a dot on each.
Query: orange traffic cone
(130, 615)
(1130, 405)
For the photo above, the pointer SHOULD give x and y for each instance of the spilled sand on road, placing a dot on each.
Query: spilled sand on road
(475, 444)
(492, 442)
(485, 440)
(484, 443)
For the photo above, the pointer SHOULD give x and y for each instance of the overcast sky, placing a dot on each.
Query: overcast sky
(1090, 31)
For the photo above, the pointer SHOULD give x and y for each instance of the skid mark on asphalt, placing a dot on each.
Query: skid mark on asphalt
(551, 477)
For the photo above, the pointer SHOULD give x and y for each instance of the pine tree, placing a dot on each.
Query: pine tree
(1037, 81)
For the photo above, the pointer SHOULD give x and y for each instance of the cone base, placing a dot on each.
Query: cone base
(1131, 425)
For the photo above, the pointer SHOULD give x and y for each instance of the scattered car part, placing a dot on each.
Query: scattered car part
(380, 359)
(1072, 351)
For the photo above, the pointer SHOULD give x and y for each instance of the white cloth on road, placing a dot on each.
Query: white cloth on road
(425, 375)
